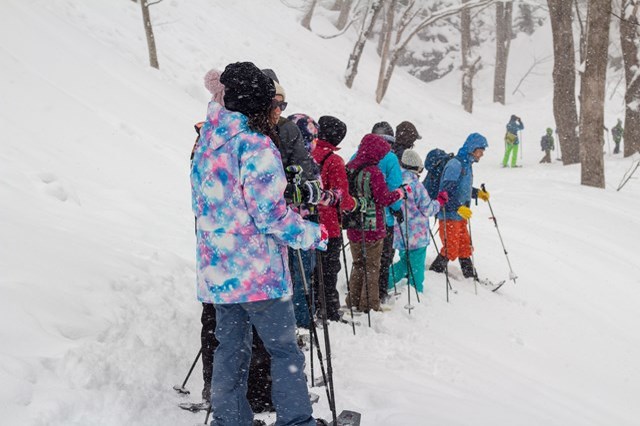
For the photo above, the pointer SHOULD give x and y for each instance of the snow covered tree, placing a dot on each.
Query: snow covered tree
(592, 91)
(630, 42)
(369, 20)
(564, 80)
(306, 19)
(503, 42)
(469, 65)
(148, 30)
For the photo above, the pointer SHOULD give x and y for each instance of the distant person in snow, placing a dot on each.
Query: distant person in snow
(617, 131)
(298, 165)
(244, 226)
(547, 145)
(414, 231)
(512, 141)
(334, 177)
(367, 232)
(406, 136)
(457, 181)
(390, 168)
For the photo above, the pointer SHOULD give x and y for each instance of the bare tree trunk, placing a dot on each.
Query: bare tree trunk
(148, 30)
(384, 36)
(630, 41)
(306, 20)
(503, 43)
(387, 61)
(465, 52)
(354, 58)
(564, 81)
(337, 5)
(345, 9)
(592, 89)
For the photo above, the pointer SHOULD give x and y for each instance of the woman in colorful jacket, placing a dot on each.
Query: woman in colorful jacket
(243, 229)
(457, 181)
(415, 228)
(365, 295)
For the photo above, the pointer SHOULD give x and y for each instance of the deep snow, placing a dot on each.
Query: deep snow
(98, 317)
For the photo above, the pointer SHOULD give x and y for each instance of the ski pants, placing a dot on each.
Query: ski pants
(385, 262)
(510, 149)
(547, 156)
(458, 242)
(300, 307)
(365, 272)
(330, 269)
(275, 324)
(399, 269)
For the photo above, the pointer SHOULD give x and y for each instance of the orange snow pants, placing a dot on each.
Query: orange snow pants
(458, 242)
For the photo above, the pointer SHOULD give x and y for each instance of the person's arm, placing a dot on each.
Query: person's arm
(338, 180)
(449, 183)
(425, 204)
(263, 184)
(296, 153)
(379, 190)
(393, 177)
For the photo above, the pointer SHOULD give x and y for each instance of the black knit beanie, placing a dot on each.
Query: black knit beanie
(246, 88)
(331, 130)
(382, 128)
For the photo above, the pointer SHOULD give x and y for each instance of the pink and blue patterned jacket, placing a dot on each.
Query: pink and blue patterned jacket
(419, 208)
(243, 223)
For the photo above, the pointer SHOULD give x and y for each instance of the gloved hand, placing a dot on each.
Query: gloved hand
(398, 215)
(292, 194)
(443, 198)
(311, 191)
(404, 191)
(465, 212)
(330, 197)
(483, 195)
(324, 238)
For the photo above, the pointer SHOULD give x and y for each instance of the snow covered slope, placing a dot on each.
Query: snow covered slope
(98, 317)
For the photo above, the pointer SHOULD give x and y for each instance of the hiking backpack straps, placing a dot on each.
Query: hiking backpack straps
(360, 188)
(434, 164)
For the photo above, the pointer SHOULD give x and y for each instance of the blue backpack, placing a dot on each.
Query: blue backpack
(434, 164)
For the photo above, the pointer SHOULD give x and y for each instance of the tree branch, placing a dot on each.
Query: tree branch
(149, 4)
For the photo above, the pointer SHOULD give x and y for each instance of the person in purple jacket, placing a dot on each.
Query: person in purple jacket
(371, 188)
(243, 229)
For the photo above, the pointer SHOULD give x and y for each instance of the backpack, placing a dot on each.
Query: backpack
(434, 164)
(544, 142)
(360, 188)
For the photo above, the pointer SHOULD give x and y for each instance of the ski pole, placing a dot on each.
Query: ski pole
(512, 275)
(346, 276)
(364, 260)
(312, 326)
(327, 341)
(405, 240)
(181, 389)
(446, 251)
(473, 261)
(206, 419)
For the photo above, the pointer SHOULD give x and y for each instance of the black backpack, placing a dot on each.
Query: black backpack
(360, 189)
(434, 164)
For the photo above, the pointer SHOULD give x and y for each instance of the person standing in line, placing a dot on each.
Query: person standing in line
(512, 141)
(243, 228)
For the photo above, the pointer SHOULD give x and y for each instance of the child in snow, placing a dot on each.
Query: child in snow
(547, 145)
(371, 190)
(415, 229)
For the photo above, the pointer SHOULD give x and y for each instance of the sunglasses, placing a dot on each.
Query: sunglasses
(278, 104)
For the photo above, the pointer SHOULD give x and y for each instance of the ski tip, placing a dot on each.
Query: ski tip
(181, 390)
(348, 418)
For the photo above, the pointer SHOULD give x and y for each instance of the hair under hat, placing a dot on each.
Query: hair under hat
(246, 88)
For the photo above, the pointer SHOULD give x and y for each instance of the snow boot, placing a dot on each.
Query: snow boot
(468, 271)
(439, 264)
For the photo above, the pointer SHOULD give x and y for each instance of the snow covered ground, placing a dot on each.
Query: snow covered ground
(98, 317)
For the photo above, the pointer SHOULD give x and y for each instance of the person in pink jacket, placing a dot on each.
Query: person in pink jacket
(367, 184)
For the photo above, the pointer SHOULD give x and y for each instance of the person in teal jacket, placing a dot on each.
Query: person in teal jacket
(512, 141)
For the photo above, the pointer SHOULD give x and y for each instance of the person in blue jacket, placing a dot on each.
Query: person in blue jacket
(457, 181)
(512, 141)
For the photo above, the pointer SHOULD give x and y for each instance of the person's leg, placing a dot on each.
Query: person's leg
(229, 403)
(416, 259)
(372, 263)
(259, 383)
(398, 270)
(507, 151)
(299, 300)
(275, 323)
(464, 240)
(514, 155)
(330, 269)
(208, 343)
(357, 275)
(450, 249)
(616, 149)
(385, 262)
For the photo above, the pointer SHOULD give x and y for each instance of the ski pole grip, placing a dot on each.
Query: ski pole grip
(483, 187)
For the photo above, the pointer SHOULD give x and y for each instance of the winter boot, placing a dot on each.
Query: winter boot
(468, 271)
(439, 264)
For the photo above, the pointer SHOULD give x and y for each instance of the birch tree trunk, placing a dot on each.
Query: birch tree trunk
(465, 52)
(503, 43)
(630, 42)
(306, 20)
(564, 81)
(343, 18)
(148, 30)
(354, 58)
(592, 90)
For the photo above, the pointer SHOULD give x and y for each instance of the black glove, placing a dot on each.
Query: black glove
(398, 215)
(311, 191)
(292, 194)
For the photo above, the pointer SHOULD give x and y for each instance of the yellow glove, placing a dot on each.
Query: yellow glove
(483, 195)
(465, 212)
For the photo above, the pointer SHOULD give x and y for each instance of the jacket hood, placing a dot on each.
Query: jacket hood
(473, 142)
(372, 149)
(221, 125)
(326, 146)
